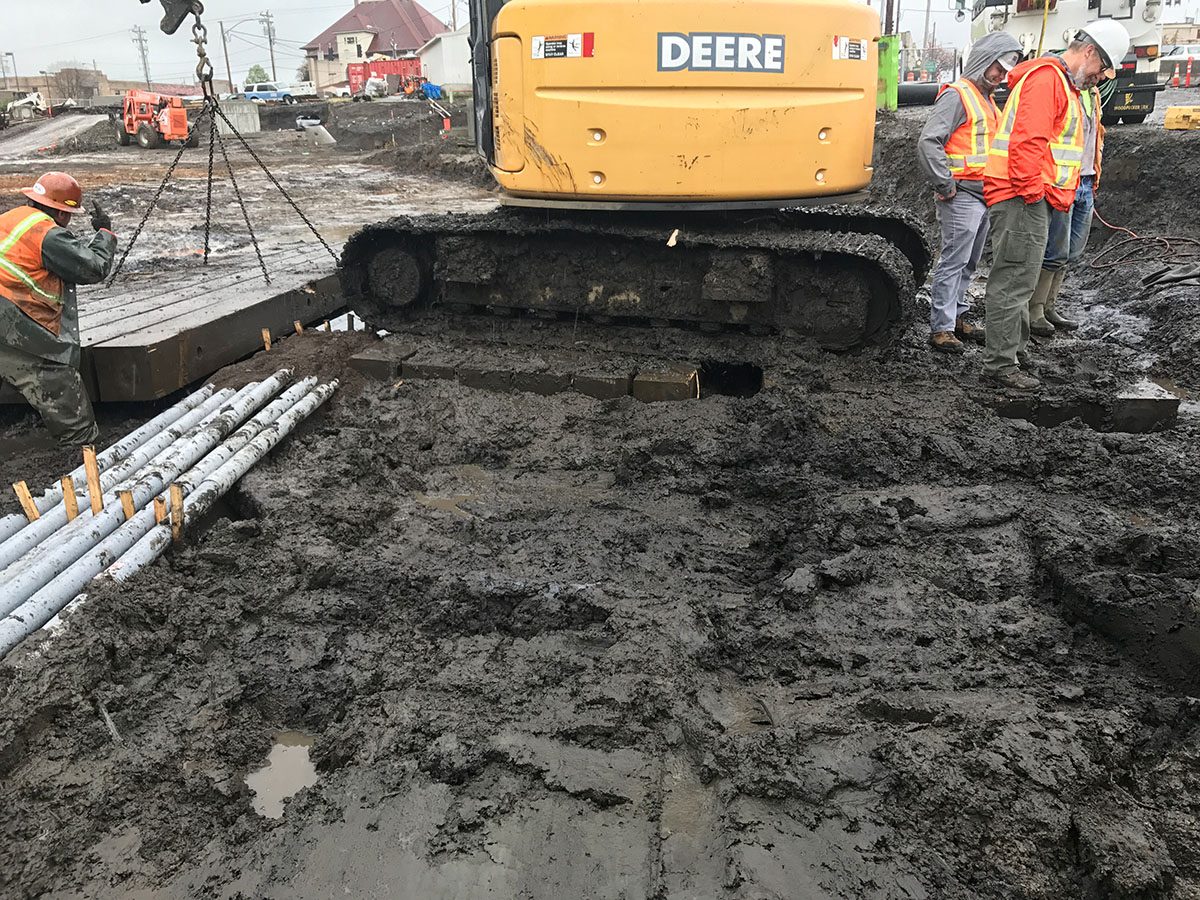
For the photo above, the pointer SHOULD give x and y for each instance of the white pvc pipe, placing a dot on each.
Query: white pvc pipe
(54, 518)
(10, 525)
(213, 476)
(216, 485)
(86, 532)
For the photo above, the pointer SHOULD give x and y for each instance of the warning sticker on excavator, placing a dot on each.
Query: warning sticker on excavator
(564, 46)
(849, 48)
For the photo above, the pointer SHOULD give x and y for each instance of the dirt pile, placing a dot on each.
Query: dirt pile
(391, 124)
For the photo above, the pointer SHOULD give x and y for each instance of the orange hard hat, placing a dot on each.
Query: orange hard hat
(57, 190)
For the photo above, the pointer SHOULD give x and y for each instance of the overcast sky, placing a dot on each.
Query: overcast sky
(44, 34)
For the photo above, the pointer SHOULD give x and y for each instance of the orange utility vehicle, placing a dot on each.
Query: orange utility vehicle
(153, 120)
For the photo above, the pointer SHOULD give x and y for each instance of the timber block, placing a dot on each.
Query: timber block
(671, 383)
(382, 362)
(427, 364)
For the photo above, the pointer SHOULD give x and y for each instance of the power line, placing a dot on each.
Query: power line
(143, 45)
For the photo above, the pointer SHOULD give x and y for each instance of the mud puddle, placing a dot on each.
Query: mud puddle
(288, 771)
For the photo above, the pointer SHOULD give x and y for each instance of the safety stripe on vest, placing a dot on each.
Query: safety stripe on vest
(977, 119)
(15, 271)
(19, 232)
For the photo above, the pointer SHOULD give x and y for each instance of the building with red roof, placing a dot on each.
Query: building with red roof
(372, 29)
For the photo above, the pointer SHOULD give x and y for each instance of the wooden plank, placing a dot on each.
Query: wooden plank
(130, 298)
(195, 299)
(158, 361)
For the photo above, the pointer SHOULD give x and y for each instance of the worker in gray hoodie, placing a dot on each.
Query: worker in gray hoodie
(952, 152)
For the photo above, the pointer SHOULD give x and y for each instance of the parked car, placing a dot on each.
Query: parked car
(342, 90)
(268, 92)
(1178, 56)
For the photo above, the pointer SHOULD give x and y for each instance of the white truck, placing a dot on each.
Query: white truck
(1130, 96)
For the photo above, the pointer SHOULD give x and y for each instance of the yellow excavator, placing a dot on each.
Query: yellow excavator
(665, 163)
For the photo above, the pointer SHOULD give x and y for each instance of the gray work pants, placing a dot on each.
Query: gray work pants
(56, 391)
(1019, 233)
(964, 222)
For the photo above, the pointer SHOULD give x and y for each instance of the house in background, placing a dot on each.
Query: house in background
(373, 29)
(446, 60)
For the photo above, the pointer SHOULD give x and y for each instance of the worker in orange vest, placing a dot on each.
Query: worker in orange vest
(952, 152)
(41, 261)
(1033, 167)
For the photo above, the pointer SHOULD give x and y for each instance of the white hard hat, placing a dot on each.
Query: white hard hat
(1110, 37)
(1009, 60)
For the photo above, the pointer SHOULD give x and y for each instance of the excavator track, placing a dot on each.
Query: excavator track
(840, 277)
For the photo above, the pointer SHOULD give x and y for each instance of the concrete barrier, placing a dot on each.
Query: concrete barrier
(244, 116)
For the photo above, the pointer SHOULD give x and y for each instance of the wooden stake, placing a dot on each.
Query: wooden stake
(176, 513)
(30, 508)
(70, 499)
(93, 480)
(127, 504)
(351, 325)
(328, 327)
(160, 510)
(267, 339)
(299, 328)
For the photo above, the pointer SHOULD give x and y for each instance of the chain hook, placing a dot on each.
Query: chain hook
(204, 68)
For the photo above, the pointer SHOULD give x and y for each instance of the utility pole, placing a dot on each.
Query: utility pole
(225, 44)
(143, 45)
(268, 22)
(16, 74)
(889, 17)
(454, 15)
(928, 13)
(4, 70)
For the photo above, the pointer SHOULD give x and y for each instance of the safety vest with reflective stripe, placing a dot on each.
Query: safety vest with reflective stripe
(24, 281)
(967, 148)
(1065, 152)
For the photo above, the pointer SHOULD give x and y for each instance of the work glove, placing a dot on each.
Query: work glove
(100, 217)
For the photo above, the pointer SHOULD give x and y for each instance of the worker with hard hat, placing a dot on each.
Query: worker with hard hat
(1034, 167)
(1069, 231)
(41, 261)
(952, 152)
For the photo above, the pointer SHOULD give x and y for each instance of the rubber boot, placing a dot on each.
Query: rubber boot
(1037, 305)
(1052, 315)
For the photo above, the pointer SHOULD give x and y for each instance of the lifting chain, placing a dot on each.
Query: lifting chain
(210, 112)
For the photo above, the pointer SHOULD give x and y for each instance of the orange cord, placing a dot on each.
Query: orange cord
(1169, 248)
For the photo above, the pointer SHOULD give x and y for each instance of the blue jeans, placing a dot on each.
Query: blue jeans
(1069, 230)
(964, 221)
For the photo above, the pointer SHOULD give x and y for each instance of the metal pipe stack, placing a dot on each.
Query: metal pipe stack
(204, 445)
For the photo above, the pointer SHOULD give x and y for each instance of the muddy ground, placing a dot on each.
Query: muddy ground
(855, 636)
